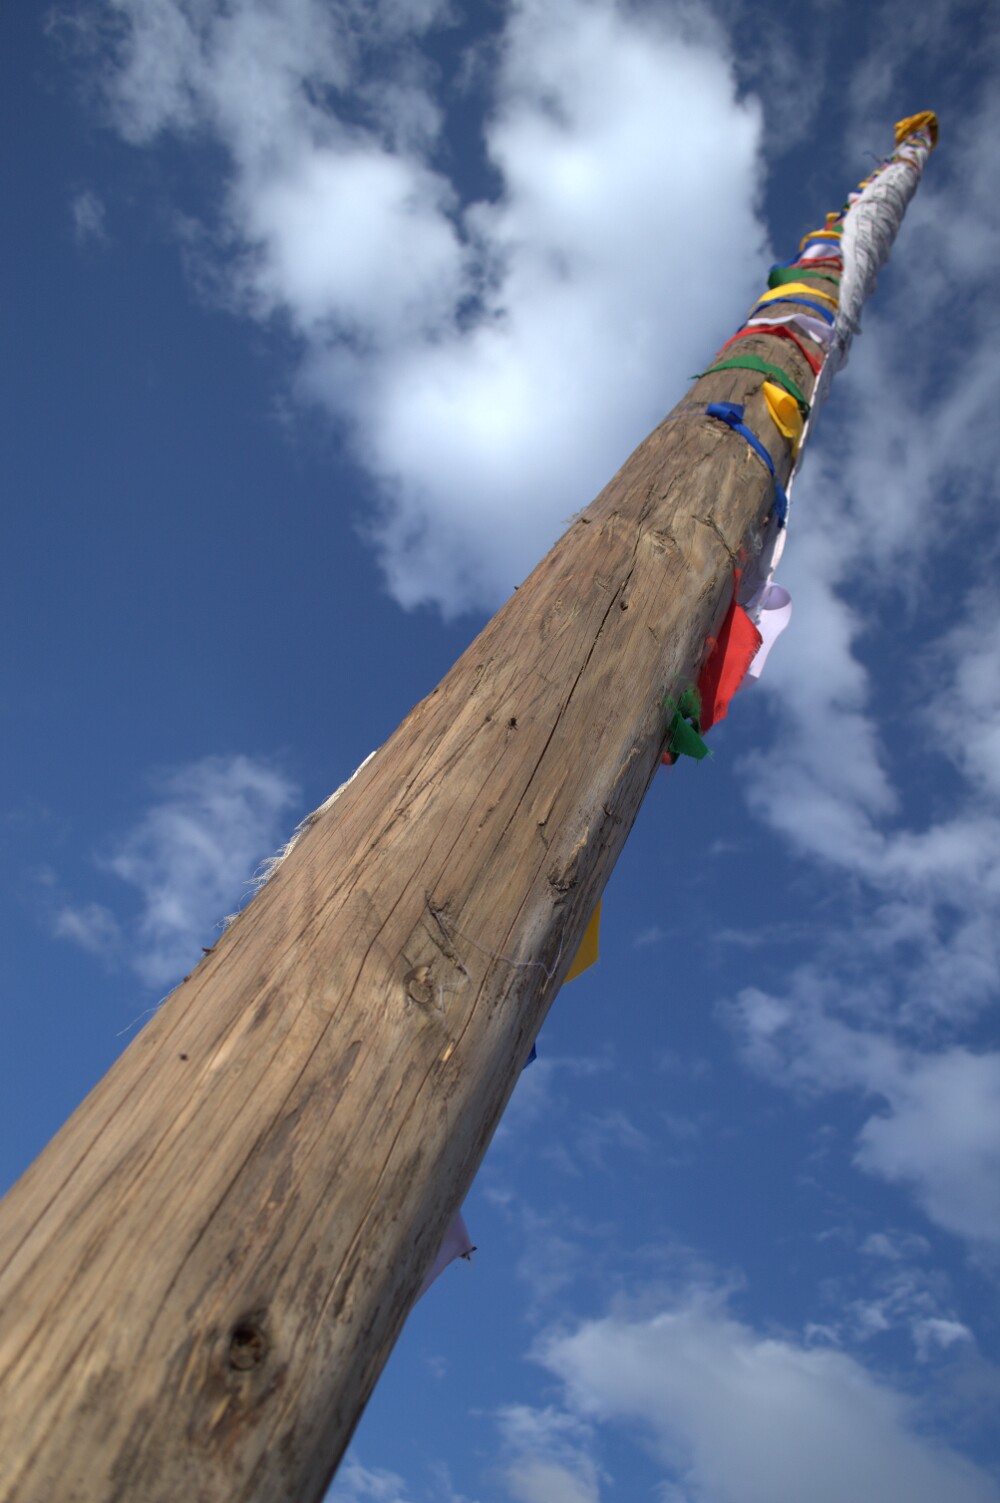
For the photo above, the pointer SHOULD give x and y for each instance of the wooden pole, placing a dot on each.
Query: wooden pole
(202, 1275)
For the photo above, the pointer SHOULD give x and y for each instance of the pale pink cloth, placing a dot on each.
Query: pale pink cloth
(457, 1244)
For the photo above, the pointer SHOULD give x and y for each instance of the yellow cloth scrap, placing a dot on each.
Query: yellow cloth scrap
(791, 288)
(785, 411)
(819, 235)
(831, 220)
(586, 955)
(926, 120)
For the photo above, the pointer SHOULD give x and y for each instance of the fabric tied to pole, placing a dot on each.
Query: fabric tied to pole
(774, 372)
(776, 331)
(457, 1244)
(732, 414)
(770, 298)
(780, 276)
(587, 955)
(775, 612)
(792, 287)
(812, 328)
(684, 728)
(828, 234)
(819, 250)
(786, 414)
(734, 649)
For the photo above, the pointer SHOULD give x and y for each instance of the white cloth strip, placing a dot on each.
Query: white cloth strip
(457, 1244)
(774, 611)
(812, 328)
(870, 227)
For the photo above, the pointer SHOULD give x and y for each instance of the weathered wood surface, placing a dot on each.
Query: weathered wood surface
(203, 1274)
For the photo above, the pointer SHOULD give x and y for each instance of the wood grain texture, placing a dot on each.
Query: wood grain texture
(203, 1274)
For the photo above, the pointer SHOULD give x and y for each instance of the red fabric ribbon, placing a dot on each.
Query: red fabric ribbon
(780, 331)
(836, 263)
(731, 656)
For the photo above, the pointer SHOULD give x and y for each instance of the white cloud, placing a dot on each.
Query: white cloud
(191, 855)
(356, 1483)
(549, 1456)
(935, 1332)
(739, 1417)
(90, 925)
(89, 220)
(895, 1246)
(939, 1131)
(534, 1481)
(491, 362)
(941, 1136)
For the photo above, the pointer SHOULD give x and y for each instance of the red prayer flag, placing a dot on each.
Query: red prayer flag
(780, 332)
(725, 670)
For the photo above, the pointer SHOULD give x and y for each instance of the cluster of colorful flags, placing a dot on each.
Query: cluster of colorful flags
(802, 306)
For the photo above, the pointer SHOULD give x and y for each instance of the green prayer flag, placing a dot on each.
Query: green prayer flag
(773, 372)
(780, 275)
(685, 741)
(684, 731)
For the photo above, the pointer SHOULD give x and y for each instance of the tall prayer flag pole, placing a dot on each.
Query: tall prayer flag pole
(203, 1273)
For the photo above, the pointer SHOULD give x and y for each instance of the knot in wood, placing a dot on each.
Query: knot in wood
(247, 1345)
(419, 984)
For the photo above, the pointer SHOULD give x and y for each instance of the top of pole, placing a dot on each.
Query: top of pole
(925, 120)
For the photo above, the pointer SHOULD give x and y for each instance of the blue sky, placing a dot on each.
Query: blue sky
(321, 319)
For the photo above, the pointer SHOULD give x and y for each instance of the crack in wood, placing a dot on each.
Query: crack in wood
(713, 526)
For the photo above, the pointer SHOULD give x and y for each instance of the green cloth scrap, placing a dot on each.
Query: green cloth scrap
(684, 731)
(773, 372)
(779, 275)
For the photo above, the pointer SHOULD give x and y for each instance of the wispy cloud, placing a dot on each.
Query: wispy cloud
(91, 925)
(469, 373)
(549, 1456)
(938, 1128)
(357, 1483)
(89, 218)
(738, 1416)
(188, 859)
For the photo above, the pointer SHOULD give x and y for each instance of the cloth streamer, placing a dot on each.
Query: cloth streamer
(732, 653)
(812, 328)
(770, 298)
(780, 276)
(827, 234)
(684, 729)
(457, 1244)
(775, 293)
(786, 414)
(755, 363)
(775, 612)
(777, 332)
(587, 955)
(827, 267)
(818, 251)
(732, 413)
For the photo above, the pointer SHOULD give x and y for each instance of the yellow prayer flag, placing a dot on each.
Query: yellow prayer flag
(826, 234)
(790, 289)
(785, 411)
(586, 955)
